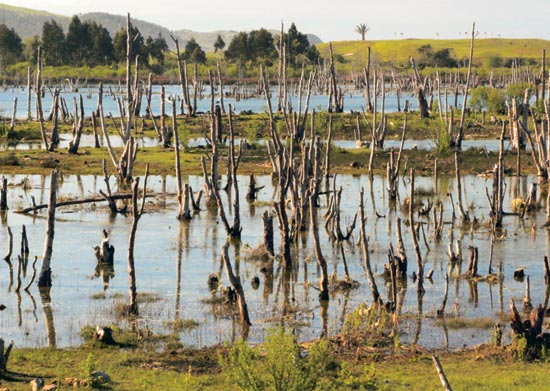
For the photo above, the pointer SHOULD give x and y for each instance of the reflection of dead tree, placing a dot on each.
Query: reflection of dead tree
(463, 215)
(323, 284)
(365, 252)
(48, 314)
(137, 213)
(45, 277)
(333, 224)
(236, 284)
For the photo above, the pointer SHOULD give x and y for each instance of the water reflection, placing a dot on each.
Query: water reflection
(174, 261)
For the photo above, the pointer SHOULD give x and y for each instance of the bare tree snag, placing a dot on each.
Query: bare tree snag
(182, 73)
(457, 141)
(236, 283)
(38, 95)
(78, 126)
(45, 276)
(137, 212)
(323, 283)
(4, 194)
(419, 264)
(184, 212)
(463, 214)
(419, 90)
(268, 232)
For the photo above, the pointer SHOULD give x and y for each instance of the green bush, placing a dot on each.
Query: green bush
(280, 365)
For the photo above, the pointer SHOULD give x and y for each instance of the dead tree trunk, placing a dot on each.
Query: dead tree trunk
(77, 127)
(4, 194)
(268, 232)
(419, 90)
(45, 276)
(457, 141)
(182, 73)
(38, 95)
(137, 212)
(419, 264)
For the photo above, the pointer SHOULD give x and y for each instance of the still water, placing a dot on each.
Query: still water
(174, 260)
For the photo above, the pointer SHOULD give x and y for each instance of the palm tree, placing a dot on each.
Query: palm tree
(362, 29)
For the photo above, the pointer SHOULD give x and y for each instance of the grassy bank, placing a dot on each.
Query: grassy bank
(143, 368)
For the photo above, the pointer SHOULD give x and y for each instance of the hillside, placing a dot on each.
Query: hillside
(399, 51)
(28, 22)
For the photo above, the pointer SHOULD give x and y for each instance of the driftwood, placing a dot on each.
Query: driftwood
(441, 374)
(74, 202)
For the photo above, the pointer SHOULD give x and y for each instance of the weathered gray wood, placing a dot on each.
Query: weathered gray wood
(38, 92)
(45, 276)
(4, 194)
(137, 212)
(419, 264)
(441, 374)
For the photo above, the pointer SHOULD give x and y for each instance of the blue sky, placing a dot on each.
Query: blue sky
(329, 19)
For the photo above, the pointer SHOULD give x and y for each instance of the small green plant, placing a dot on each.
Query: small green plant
(89, 368)
(280, 366)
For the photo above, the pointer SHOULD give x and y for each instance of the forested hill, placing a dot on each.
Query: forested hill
(28, 22)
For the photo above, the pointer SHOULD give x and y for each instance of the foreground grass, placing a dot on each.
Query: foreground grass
(145, 368)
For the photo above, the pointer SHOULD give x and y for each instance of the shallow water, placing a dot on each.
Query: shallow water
(353, 100)
(174, 259)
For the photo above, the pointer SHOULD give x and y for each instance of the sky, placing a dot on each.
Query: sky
(331, 20)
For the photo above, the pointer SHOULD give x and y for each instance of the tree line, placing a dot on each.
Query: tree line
(88, 43)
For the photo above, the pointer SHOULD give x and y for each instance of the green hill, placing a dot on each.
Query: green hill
(398, 52)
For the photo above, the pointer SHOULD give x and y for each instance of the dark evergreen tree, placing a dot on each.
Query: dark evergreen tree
(219, 44)
(102, 52)
(261, 46)
(155, 49)
(11, 47)
(238, 49)
(53, 43)
(79, 44)
(193, 52)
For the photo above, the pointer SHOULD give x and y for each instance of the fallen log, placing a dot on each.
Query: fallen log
(74, 202)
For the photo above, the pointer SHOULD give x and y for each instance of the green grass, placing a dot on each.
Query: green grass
(27, 11)
(398, 52)
(187, 369)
